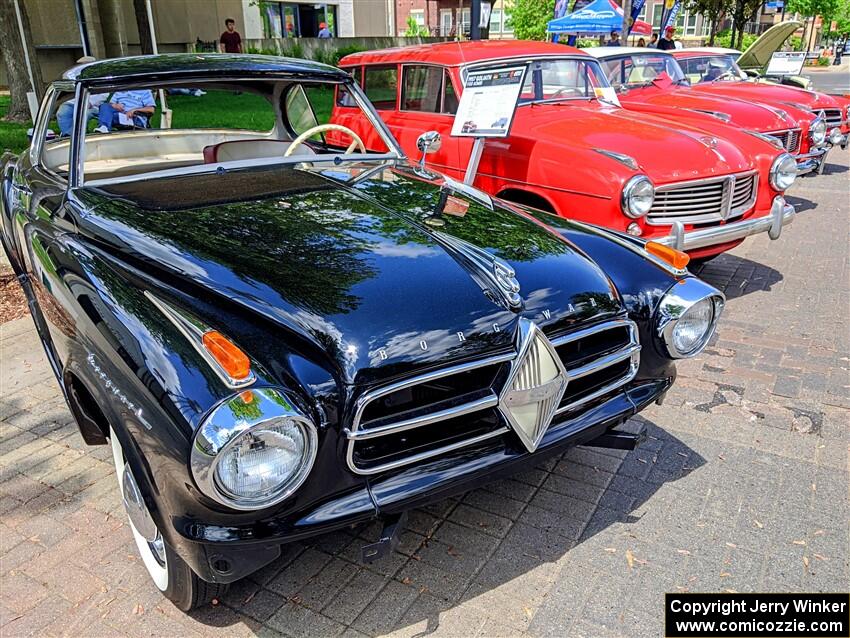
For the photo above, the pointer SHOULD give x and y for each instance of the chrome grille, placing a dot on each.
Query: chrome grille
(444, 410)
(703, 201)
(790, 139)
(833, 117)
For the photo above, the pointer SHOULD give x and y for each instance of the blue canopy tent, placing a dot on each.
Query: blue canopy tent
(599, 17)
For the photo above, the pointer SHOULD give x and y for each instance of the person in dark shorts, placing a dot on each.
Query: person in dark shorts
(230, 41)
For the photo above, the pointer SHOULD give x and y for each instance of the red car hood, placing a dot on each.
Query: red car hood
(773, 94)
(749, 115)
(657, 146)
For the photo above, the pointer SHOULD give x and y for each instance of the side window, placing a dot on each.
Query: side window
(343, 96)
(56, 148)
(299, 111)
(450, 99)
(421, 89)
(381, 86)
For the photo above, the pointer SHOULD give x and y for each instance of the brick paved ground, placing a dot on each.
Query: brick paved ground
(743, 486)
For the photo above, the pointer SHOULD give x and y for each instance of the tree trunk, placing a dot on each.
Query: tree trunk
(145, 40)
(15, 54)
(713, 33)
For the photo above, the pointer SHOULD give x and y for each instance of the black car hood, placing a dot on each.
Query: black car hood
(349, 258)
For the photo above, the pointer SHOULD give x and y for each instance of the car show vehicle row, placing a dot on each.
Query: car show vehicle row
(322, 321)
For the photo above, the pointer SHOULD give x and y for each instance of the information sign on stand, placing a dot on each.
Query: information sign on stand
(487, 108)
(786, 63)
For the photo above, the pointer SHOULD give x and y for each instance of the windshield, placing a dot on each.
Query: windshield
(209, 125)
(712, 68)
(561, 80)
(639, 70)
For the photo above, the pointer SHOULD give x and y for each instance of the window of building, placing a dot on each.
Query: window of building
(381, 86)
(686, 23)
(657, 10)
(465, 21)
(446, 22)
(418, 16)
(496, 21)
(293, 20)
(642, 14)
(507, 26)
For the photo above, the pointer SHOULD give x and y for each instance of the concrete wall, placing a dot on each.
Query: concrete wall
(310, 45)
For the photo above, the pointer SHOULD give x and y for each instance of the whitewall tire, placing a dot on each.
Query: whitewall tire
(170, 573)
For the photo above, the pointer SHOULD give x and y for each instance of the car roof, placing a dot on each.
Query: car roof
(706, 51)
(179, 65)
(459, 53)
(610, 52)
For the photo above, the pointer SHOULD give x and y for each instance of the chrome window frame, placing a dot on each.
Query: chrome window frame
(77, 167)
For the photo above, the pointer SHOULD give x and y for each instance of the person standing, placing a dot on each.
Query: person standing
(230, 41)
(324, 32)
(641, 42)
(653, 41)
(666, 42)
(615, 40)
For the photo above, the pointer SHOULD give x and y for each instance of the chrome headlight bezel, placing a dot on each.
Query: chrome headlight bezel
(783, 172)
(835, 136)
(227, 423)
(626, 204)
(676, 303)
(817, 131)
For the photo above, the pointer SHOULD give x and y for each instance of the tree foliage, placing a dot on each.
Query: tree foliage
(713, 11)
(529, 18)
(414, 30)
(15, 54)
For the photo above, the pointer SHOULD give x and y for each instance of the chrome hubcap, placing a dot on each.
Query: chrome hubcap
(138, 512)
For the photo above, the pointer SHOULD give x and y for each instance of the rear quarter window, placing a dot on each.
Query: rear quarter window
(381, 86)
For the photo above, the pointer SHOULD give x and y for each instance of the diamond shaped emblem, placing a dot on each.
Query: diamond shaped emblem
(534, 389)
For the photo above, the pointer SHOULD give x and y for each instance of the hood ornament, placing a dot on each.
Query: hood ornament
(709, 140)
(494, 275)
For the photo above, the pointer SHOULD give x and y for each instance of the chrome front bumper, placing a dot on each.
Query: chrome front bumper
(781, 214)
(811, 161)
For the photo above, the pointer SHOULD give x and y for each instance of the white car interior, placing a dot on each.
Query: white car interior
(286, 107)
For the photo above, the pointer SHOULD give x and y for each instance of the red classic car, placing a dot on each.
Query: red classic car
(651, 81)
(574, 154)
(714, 71)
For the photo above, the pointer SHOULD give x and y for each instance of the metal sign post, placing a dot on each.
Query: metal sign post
(486, 109)
(474, 159)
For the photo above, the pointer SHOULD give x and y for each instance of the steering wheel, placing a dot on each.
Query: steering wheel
(321, 128)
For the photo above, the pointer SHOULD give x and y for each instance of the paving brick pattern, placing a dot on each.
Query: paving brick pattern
(743, 485)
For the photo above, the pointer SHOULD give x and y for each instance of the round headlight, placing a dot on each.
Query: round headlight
(817, 132)
(692, 329)
(783, 172)
(638, 196)
(835, 136)
(687, 317)
(254, 450)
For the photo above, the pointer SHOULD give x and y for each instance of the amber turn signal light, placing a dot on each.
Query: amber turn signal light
(231, 359)
(675, 258)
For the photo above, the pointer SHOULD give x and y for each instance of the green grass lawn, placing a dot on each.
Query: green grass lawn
(12, 136)
(216, 109)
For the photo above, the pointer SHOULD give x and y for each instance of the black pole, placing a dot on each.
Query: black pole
(475, 20)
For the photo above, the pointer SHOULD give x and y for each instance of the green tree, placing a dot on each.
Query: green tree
(713, 11)
(529, 18)
(414, 30)
(827, 9)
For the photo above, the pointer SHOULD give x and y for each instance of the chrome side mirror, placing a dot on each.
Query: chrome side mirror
(428, 142)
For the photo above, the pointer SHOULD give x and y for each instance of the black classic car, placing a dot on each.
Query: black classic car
(280, 334)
